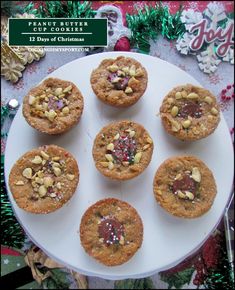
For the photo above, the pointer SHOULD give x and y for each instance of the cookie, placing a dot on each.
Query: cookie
(190, 113)
(54, 106)
(122, 150)
(111, 231)
(184, 186)
(44, 179)
(119, 82)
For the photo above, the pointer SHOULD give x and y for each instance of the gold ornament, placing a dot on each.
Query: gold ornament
(36, 259)
(29, 54)
(11, 64)
(14, 58)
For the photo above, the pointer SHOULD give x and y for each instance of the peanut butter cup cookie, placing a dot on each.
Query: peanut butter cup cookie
(184, 186)
(190, 113)
(122, 150)
(54, 106)
(111, 231)
(119, 82)
(44, 179)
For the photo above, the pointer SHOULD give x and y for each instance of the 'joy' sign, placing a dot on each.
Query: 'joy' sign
(225, 36)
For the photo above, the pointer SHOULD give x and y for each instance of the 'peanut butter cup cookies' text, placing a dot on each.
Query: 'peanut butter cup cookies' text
(122, 150)
(119, 82)
(184, 186)
(44, 179)
(190, 113)
(54, 106)
(111, 231)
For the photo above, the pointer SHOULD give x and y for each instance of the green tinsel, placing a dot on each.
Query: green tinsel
(222, 277)
(10, 8)
(61, 9)
(11, 232)
(144, 283)
(4, 113)
(151, 21)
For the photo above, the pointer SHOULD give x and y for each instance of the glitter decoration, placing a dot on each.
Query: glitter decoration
(124, 149)
(111, 231)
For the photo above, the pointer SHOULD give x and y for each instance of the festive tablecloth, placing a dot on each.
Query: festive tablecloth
(191, 273)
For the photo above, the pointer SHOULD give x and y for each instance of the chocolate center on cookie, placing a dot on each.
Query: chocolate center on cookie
(111, 231)
(124, 149)
(119, 83)
(190, 108)
(185, 184)
(54, 104)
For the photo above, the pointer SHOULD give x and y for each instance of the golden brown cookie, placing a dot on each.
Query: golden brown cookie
(44, 179)
(111, 231)
(122, 150)
(54, 106)
(184, 186)
(119, 82)
(190, 113)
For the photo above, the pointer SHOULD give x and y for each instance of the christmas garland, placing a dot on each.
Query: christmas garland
(151, 21)
(11, 232)
(61, 9)
(9, 8)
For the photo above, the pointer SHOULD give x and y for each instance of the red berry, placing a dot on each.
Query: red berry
(223, 97)
(228, 87)
(224, 91)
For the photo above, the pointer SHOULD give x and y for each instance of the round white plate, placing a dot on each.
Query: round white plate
(167, 239)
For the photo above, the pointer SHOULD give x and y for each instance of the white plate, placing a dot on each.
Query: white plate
(167, 239)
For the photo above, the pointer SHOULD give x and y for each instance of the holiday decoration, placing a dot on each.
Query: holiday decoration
(10, 109)
(209, 267)
(11, 63)
(9, 8)
(4, 113)
(61, 9)
(178, 279)
(11, 232)
(118, 34)
(14, 58)
(213, 270)
(144, 283)
(45, 271)
(227, 94)
(151, 21)
(123, 44)
(209, 36)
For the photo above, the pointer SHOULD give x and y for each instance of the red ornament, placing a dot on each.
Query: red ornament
(123, 44)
